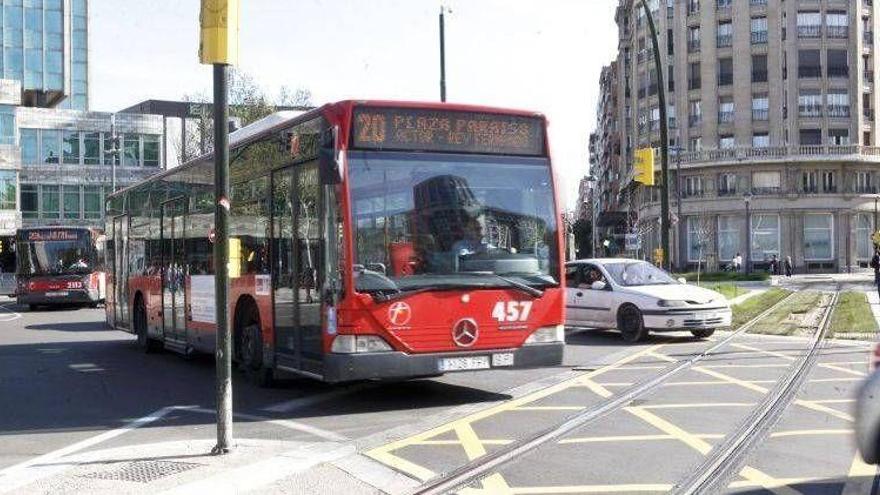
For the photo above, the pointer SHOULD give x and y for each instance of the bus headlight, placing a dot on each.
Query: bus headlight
(351, 344)
(545, 335)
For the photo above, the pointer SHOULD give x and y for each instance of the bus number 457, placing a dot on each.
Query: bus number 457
(512, 311)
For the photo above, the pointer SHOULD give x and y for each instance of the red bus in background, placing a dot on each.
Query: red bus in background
(59, 265)
(368, 240)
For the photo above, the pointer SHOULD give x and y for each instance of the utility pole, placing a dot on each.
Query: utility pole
(442, 56)
(219, 47)
(680, 258)
(664, 141)
(115, 150)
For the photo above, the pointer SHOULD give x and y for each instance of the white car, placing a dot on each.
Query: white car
(868, 413)
(636, 297)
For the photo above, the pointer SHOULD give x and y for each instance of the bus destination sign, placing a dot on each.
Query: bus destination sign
(52, 235)
(406, 129)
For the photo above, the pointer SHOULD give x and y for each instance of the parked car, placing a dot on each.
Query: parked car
(636, 297)
(868, 414)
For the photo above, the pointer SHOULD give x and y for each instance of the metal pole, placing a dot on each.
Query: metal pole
(221, 261)
(664, 141)
(875, 212)
(442, 58)
(681, 233)
(115, 154)
(748, 238)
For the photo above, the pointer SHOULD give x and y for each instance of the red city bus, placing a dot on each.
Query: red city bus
(59, 265)
(368, 240)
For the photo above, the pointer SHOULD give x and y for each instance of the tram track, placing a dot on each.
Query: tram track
(477, 468)
(726, 460)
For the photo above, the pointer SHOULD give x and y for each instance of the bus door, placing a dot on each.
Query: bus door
(297, 268)
(120, 270)
(174, 270)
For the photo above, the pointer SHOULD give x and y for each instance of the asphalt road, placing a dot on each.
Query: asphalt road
(66, 379)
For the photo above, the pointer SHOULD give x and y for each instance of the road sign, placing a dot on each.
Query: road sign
(643, 166)
(632, 242)
(218, 43)
(876, 238)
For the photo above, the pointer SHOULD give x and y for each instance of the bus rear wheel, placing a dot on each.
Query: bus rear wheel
(249, 346)
(139, 322)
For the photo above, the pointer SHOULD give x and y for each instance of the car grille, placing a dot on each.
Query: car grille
(703, 323)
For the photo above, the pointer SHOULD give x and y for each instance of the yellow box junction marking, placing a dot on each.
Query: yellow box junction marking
(467, 437)
(829, 366)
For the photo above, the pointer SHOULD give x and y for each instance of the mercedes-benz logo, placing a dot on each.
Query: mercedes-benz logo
(465, 332)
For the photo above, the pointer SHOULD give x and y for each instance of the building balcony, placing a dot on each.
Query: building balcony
(808, 32)
(806, 153)
(837, 32)
(759, 37)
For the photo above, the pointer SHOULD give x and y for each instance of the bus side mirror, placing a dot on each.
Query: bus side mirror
(328, 157)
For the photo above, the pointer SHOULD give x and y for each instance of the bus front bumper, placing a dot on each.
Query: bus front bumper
(68, 296)
(397, 365)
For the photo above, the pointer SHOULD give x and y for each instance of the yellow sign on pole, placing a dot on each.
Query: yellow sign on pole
(643, 166)
(218, 43)
(876, 238)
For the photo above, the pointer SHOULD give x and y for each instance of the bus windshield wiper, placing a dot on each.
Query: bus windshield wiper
(528, 289)
(380, 297)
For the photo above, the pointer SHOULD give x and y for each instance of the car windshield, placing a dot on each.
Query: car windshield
(56, 257)
(630, 274)
(440, 220)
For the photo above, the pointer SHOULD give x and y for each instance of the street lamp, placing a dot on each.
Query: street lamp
(443, 54)
(747, 198)
(681, 233)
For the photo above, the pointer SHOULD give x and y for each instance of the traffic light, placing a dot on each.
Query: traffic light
(643, 166)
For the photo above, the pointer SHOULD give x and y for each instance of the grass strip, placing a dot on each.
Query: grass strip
(728, 290)
(790, 318)
(756, 305)
(852, 319)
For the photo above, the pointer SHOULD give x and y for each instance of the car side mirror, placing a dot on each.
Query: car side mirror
(598, 285)
(682, 281)
(329, 168)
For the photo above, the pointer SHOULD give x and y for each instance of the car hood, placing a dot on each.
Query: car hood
(678, 292)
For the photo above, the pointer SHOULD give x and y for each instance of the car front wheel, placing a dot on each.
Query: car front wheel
(631, 324)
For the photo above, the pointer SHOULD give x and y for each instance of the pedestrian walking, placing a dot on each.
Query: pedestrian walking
(788, 266)
(774, 265)
(737, 262)
(875, 264)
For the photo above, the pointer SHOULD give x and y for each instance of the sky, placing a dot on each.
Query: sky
(541, 55)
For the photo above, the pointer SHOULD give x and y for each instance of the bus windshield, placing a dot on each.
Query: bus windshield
(56, 257)
(446, 221)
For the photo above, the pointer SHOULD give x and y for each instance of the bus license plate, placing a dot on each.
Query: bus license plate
(56, 294)
(464, 363)
(502, 359)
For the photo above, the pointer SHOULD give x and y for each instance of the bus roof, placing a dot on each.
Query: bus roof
(282, 119)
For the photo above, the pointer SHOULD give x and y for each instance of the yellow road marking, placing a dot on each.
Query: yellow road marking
(492, 485)
(834, 401)
(707, 404)
(797, 433)
(829, 366)
(637, 438)
(469, 441)
(493, 441)
(776, 483)
(549, 408)
(860, 478)
(553, 490)
(384, 454)
(719, 366)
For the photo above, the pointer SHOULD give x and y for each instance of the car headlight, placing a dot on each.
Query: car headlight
(352, 344)
(670, 303)
(546, 335)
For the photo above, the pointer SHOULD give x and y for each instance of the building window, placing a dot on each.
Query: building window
(809, 64)
(151, 149)
(71, 202)
(699, 237)
(810, 103)
(693, 186)
(864, 229)
(7, 124)
(30, 201)
(693, 7)
(727, 184)
(50, 140)
(725, 110)
(695, 144)
(759, 68)
(693, 39)
(759, 30)
(91, 202)
(838, 63)
(29, 142)
(765, 236)
(725, 34)
(694, 77)
(725, 71)
(838, 24)
(829, 183)
(818, 230)
(92, 148)
(50, 207)
(695, 108)
(760, 140)
(131, 148)
(760, 107)
(864, 183)
(766, 182)
(810, 182)
(726, 142)
(723, 4)
(838, 137)
(8, 190)
(70, 148)
(811, 137)
(655, 119)
(838, 103)
(729, 231)
(809, 24)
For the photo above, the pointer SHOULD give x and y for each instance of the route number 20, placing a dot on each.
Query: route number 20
(512, 311)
